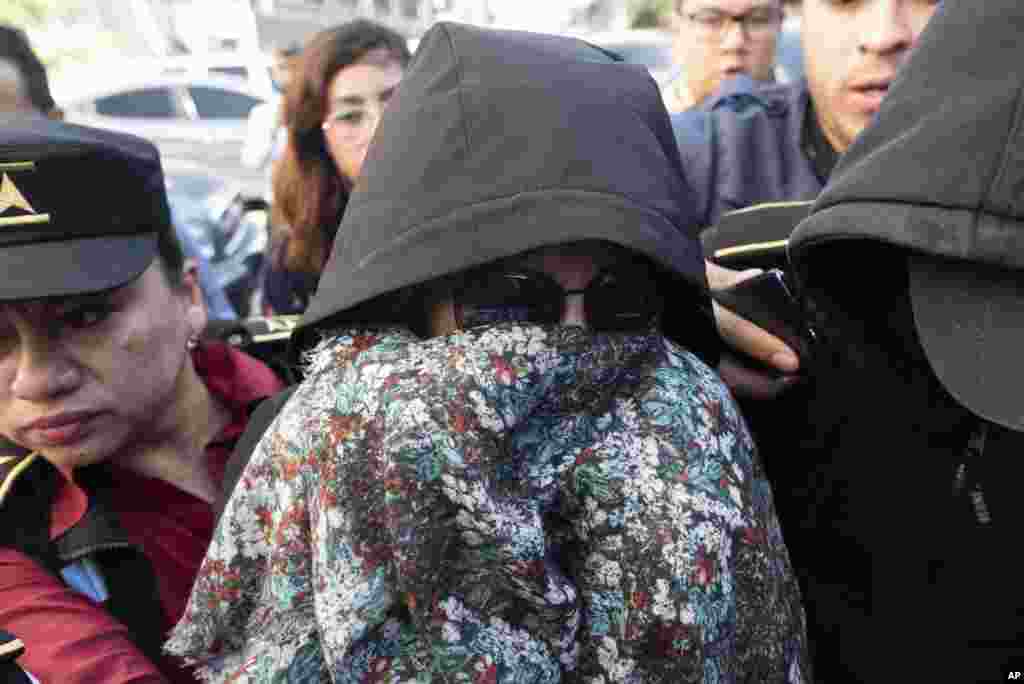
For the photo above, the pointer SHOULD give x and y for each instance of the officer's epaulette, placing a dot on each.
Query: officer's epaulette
(14, 460)
(741, 95)
(10, 647)
(756, 236)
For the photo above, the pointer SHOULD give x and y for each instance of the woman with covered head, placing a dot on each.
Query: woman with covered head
(509, 461)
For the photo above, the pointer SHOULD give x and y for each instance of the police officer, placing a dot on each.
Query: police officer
(116, 417)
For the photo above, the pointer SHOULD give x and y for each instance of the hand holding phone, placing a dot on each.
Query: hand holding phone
(767, 301)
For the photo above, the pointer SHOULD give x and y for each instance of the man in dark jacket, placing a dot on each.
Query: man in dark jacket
(911, 262)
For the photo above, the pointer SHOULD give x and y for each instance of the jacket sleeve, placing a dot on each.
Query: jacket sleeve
(68, 639)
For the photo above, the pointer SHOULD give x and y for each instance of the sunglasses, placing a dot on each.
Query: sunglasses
(621, 297)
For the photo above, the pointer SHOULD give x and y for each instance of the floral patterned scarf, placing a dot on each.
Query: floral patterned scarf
(508, 504)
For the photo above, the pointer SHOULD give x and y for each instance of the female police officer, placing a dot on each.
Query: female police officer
(117, 421)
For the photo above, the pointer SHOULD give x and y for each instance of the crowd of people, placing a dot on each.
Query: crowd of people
(529, 444)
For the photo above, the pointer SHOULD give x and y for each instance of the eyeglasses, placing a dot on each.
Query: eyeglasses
(758, 22)
(353, 121)
(351, 125)
(621, 297)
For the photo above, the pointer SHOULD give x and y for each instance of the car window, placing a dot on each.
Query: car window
(194, 185)
(236, 71)
(651, 55)
(218, 103)
(145, 103)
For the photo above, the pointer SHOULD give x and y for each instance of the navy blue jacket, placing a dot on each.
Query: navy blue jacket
(744, 147)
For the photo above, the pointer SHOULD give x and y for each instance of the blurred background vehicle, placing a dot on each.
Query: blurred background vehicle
(202, 119)
(253, 68)
(226, 227)
(651, 48)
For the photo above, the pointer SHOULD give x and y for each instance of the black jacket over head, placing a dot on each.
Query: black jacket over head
(941, 174)
(910, 262)
(498, 142)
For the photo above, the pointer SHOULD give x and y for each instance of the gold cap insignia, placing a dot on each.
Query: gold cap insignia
(11, 198)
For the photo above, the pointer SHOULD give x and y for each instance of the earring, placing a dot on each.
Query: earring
(192, 342)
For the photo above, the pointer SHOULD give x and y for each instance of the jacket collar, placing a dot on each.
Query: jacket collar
(235, 379)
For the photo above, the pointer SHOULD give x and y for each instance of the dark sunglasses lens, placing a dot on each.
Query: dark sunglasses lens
(625, 298)
(490, 298)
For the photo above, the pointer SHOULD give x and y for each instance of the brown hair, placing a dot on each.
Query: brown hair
(14, 46)
(310, 193)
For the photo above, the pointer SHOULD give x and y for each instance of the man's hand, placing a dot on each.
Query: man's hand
(751, 341)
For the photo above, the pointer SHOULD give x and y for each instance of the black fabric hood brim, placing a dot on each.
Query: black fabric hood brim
(941, 173)
(515, 224)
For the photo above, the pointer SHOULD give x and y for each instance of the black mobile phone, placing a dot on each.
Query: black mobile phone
(767, 301)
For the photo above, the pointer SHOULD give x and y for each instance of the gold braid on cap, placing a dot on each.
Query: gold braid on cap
(16, 470)
(11, 197)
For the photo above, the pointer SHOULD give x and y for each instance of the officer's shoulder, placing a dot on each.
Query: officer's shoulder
(741, 98)
(744, 95)
(14, 463)
(10, 647)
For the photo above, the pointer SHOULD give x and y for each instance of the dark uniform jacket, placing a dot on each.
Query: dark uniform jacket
(747, 147)
(28, 487)
(30, 505)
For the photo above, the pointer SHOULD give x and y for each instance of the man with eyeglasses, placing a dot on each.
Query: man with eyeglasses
(753, 144)
(719, 39)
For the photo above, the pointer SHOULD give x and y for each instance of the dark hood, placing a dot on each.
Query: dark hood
(941, 170)
(502, 141)
(940, 174)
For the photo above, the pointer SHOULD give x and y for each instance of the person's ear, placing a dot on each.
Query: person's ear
(441, 317)
(196, 304)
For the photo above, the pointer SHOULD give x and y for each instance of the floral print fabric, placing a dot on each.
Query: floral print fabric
(512, 504)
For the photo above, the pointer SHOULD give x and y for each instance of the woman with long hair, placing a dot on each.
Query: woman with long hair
(345, 77)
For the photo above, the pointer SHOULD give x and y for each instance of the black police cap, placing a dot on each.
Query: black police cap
(80, 208)
(755, 236)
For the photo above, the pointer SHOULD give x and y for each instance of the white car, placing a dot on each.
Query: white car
(199, 119)
(648, 47)
(170, 108)
(254, 68)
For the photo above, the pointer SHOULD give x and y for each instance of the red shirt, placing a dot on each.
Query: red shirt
(71, 640)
